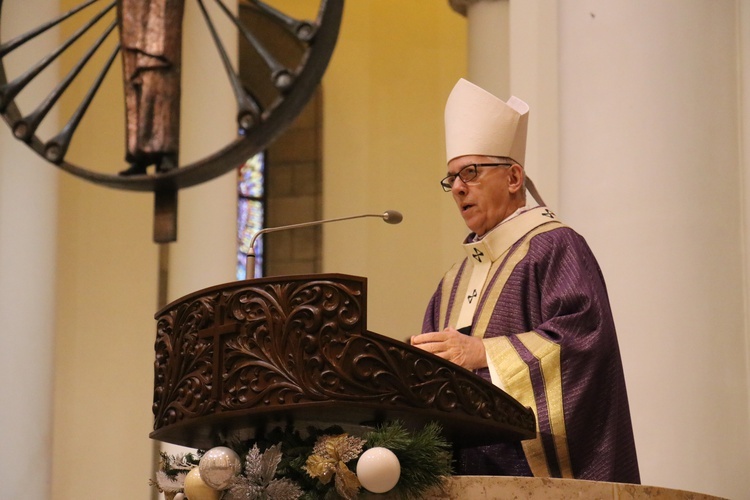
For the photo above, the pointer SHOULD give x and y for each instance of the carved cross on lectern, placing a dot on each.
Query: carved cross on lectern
(215, 333)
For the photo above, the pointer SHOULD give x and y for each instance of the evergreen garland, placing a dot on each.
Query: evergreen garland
(424, 457)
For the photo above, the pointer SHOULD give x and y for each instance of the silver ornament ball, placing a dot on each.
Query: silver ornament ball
(219, 466)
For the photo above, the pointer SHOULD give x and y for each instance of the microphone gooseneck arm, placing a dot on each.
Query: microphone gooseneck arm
(389, 216)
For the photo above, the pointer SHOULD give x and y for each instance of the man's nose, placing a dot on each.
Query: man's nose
(459, 186)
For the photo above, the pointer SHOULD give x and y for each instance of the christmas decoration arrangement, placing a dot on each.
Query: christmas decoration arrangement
(323, 464)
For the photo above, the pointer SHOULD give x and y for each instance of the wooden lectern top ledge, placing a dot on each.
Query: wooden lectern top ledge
(237, 359)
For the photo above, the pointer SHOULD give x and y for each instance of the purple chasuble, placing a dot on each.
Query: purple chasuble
(545, 319)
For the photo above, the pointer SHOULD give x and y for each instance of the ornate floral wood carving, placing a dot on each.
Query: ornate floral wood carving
(233, 358)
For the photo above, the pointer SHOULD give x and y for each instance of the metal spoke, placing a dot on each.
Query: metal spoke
(303, 30)
(280, 74)
(248, 109)
(26, 127)
(9, 91)
(11, 45)
(55, 148)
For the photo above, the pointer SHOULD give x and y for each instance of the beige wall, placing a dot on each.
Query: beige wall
(383, 149)
(107, 286)
(106, 296)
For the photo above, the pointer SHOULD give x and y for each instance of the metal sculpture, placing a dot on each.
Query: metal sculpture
(149, 44)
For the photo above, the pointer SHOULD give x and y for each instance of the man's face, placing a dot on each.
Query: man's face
(488, 199)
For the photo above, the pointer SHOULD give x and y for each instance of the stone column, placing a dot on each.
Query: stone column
(651, 174)
(28, 217)
(488, 39)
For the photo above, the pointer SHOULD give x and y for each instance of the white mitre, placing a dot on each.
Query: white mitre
(478, 123)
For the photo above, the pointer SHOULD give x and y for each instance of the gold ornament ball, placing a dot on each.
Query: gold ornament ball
(378, 470)
(219, 466)
(196, 489)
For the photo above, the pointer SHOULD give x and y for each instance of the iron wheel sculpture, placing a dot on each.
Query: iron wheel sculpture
(261, 114)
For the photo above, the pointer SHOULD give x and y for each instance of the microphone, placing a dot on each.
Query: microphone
(389, 216)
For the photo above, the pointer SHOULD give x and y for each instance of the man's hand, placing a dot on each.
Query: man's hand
(454, 346)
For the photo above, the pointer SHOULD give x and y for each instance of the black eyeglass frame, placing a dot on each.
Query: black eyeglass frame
(447, 182)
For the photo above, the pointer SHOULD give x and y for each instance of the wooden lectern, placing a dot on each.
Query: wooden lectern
(235, 360)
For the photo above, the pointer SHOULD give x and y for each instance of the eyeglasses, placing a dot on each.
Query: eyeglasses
(467, 173)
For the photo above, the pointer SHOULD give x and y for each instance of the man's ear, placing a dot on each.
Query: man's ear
(515, 178)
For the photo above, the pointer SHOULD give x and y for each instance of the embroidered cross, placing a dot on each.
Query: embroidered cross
(549, 214)
(472, 296)
(477, 254)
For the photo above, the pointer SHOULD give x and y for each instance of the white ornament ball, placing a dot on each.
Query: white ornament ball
(219, 466)
(179, 496)
(378, 470)
(196, 489)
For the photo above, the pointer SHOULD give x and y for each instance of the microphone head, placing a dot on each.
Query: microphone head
(392, 216)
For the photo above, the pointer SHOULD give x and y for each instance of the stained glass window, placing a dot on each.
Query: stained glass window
(250, 213)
